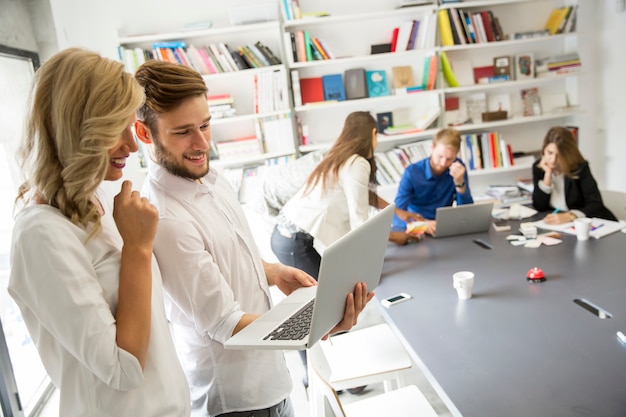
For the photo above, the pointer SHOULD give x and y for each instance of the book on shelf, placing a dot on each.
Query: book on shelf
(404, 34)
(274, 131)
(383, 121)
(239, 147)
(413, 37)
(308, 52)
(531, 102)
(557, 19)
(300, 46)
(529, 34)
(312, 90)
(216, 99)
(502, 65)
(263, 61)
(445, 29)
(402, 76)
(380, 48)
(333, 87)
(267, 52)
(355, 83)
(320, 49)
(394, 38)
(295, 87)
(377, 85)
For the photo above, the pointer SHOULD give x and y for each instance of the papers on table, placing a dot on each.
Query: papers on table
(599, 227)
(515, 211)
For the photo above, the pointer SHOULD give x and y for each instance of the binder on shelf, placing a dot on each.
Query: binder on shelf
(333, 87)
(377, 83)
(355, 83)
(312, 90)
(295, 87)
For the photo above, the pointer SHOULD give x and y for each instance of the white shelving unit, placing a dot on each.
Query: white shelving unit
(353, 26)
(242, 86)
(349, 31)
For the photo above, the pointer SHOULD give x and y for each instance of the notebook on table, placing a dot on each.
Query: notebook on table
(599, 227)
(356, 257)
(463, 219)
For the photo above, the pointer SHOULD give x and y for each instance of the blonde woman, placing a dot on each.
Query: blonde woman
(83, 273)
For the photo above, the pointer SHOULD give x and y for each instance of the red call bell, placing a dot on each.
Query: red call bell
(535, 275)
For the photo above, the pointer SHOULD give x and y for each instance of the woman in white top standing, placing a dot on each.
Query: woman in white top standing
(334, 199)
(83, 274)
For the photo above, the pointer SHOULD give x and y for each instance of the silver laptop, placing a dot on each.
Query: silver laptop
(356, 257)
(464, 219)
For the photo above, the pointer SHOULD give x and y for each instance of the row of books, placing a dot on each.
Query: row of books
(391, 164)
(306, 48)
(206, 59)
(562, 20)
(357, 83)
(485, 150)
(270, 91)
(413, 34)
(460, 27)
(291, 10)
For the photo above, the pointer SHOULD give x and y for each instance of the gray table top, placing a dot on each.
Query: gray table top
(515, 348)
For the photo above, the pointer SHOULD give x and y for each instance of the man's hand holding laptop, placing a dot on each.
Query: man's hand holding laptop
(289, 279)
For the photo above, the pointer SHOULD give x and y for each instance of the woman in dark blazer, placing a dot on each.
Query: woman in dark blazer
(563, 182)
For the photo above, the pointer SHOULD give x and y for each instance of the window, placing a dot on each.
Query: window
(22, 371)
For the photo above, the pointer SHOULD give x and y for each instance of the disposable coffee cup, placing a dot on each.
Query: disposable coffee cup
(463, 282)
(583, 227)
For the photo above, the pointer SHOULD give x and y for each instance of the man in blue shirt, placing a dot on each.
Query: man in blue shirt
(436, 181)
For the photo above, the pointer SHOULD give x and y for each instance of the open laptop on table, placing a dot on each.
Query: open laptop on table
(463, 219)
(356, 257)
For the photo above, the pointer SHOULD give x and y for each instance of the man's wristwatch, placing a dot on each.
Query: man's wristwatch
(461, 185)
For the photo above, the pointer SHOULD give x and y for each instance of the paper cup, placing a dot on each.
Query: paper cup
(463, 282)
(583, 227)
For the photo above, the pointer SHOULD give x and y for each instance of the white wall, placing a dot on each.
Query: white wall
(612, 79)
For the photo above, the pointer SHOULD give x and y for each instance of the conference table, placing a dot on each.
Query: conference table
(515, 348)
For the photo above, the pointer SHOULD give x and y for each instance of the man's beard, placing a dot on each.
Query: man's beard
(168, 161)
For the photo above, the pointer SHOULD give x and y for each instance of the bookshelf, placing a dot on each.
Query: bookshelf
(259, 129)
(351, 27)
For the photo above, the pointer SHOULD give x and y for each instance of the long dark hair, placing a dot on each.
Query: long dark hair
(355, 139)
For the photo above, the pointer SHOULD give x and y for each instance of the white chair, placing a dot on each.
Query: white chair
(361, 357)
(616, 202)
(406, 401)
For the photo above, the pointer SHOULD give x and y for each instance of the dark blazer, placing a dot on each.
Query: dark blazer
(581, 193)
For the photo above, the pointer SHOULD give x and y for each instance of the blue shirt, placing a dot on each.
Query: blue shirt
(422, 192)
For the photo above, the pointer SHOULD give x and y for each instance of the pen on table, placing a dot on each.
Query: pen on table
(597, 227)
(621, 337)
(556, 210)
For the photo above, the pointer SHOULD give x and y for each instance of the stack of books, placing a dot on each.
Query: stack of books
(558, 65)
(562, 20)
(221, 105)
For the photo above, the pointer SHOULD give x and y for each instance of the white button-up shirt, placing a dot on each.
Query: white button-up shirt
(67, 292)
(212, 275)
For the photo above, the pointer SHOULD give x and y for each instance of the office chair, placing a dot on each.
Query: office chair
(406, 401)
(616, 202)
(361, 357)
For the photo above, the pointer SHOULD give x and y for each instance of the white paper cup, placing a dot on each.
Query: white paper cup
(583, 227)
(463, 282)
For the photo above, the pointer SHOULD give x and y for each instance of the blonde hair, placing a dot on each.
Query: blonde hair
(79, 107)
(451, 138)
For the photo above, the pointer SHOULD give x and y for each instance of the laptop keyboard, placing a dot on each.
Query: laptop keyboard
(295, 327)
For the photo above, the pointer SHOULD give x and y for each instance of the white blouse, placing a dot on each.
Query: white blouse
(328, 214)
(67, 292)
